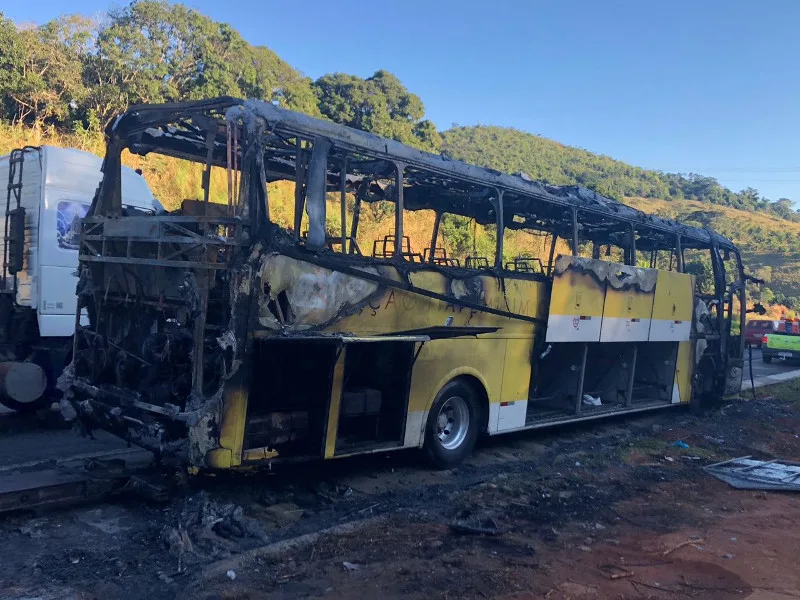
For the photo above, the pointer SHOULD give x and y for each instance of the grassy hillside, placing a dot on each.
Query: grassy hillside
(770, 245)
(512, 151)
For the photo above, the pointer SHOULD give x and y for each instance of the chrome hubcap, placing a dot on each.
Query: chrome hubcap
(452, 422)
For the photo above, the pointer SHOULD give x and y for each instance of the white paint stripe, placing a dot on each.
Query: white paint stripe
(624, 329)
(669, 330)
(494, 416)
(511, 415)
(571, 328)
(676, 393)
(415, 428)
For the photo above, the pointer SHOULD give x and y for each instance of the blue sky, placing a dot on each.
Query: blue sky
(708, 86)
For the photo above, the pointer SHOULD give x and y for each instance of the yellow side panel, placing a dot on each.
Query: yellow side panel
(397, 310)
(335, 404)
(626, 315)
(442, 360)
(576, 307)
(234, 415)
(673, 307)
(517, 370)
(684, 371)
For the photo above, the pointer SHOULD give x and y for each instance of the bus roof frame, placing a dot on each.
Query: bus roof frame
(176, 130)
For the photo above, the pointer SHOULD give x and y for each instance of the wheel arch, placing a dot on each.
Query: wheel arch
(475, 380)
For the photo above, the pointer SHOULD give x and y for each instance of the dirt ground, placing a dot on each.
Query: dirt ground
(609, 510)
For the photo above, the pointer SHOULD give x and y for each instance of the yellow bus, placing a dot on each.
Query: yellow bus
(217, 333)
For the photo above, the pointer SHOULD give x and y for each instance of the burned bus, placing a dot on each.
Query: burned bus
(217, 334)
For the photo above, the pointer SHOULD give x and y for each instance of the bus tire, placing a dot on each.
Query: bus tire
(766, 359)
(453, 425)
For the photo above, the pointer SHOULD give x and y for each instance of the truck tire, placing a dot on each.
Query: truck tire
(453, 424)
(23, 386)
(766, 359)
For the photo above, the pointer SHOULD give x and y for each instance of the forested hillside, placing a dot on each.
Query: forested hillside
(516, 151)
(60, 82)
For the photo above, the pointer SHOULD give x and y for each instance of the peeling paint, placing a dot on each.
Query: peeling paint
(619, 277)
(306, 296)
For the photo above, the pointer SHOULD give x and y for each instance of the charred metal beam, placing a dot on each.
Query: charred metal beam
(343, 200)
(500, 220)
(299, 185)
(575, 232)
(398, 209)
(315, 193)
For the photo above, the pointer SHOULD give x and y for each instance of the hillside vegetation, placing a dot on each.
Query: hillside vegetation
(770, 246)
(513, 151)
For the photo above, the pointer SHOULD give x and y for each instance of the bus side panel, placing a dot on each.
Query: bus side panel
(683, 373)
(672, 308)
(513, 402)
(439, 362)
(626, 314)
(576, 307)
(509, 410)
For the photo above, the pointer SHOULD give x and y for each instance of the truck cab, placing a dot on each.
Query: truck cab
(49, 191)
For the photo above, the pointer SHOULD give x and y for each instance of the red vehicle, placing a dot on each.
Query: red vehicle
(755, 330)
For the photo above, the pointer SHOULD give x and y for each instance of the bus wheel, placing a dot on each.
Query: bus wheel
(766, 359)
(453, 424)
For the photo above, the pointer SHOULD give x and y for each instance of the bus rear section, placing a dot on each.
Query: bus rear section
(233, 335)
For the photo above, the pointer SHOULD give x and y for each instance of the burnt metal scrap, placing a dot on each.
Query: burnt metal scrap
(175, 301)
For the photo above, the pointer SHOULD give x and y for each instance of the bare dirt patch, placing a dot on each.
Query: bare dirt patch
(613, 510)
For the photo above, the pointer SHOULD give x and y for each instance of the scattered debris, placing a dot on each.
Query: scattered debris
(231, 574)
(591, 401)
(680, 444)
(621, 575)
(369, 508)
(681, 545)
(207, 529)
(747, 474)
(478, 527)
(348, 566)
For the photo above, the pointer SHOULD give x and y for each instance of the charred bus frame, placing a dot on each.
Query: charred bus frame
(192, 277)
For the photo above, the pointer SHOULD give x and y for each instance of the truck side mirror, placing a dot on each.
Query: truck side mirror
(16, 239)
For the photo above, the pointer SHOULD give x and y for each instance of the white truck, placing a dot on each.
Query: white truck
(49, 190)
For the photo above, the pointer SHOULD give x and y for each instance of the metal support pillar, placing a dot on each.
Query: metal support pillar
(581, 375)
(343, 184)
(631, 375)
(399, 208)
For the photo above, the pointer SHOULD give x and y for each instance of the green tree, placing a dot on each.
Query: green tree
(380, 104)
(12, 57)
(42, 74)
(154, 51)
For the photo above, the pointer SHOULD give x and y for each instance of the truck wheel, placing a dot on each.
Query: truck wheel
(23, 386)
(452, 426)
(766, 359)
